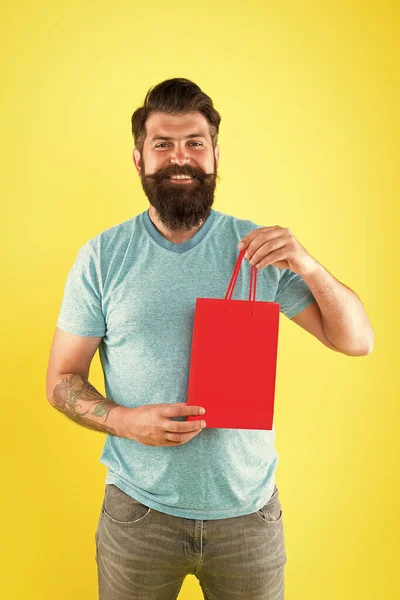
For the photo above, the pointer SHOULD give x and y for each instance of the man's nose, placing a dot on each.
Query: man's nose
(180, 157)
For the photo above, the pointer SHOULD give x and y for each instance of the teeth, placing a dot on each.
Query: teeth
(181, 177)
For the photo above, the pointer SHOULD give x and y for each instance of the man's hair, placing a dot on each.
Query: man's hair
(174, 96)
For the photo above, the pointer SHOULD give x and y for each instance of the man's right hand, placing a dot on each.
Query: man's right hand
(151, 424)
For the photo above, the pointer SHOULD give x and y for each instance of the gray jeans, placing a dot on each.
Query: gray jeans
(144, 554)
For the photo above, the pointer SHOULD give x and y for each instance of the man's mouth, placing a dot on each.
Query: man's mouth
(181, 178)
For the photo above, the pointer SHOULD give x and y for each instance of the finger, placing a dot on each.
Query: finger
(182, 426)
(178, 409)
(250, 236)
(272, 257)
(179, 438)
(267, 249)
(172, 442)
(260, 240)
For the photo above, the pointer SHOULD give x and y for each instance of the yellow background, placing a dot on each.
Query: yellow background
(309, 138)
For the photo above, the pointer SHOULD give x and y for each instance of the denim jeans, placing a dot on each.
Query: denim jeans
(144, 554)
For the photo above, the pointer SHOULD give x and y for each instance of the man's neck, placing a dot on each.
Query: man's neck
(176, 237)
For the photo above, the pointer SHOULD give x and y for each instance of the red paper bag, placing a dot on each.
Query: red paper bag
(233, 358)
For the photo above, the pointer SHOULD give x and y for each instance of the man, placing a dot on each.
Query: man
(180, 498)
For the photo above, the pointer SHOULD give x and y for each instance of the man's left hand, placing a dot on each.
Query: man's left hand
(277, 246)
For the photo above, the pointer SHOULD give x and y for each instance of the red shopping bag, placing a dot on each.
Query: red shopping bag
(233, 359)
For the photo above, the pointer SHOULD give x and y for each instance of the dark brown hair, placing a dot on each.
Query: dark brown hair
(174, 96)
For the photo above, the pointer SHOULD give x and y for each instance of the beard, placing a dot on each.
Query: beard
(180, 206)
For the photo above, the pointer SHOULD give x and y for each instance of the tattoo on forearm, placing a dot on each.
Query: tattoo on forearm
(76, 397)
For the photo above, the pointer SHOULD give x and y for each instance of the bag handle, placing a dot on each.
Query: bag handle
(253, 280)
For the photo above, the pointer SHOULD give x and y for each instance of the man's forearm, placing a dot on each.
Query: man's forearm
(344, 319)
(76, 398)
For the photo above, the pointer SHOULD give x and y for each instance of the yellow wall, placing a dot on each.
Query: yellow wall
(309, 96)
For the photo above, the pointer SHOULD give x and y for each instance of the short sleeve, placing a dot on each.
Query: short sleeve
(81, 307)
(293, 294)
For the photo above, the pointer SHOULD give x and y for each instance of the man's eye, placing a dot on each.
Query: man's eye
(165, 144)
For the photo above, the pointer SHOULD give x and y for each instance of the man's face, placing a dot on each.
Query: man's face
(180, 205)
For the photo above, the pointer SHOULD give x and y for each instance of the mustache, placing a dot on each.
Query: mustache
(167, 173)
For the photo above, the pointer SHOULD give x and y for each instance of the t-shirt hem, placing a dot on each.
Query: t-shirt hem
(300, 305)
(79, 331)
(187, 514)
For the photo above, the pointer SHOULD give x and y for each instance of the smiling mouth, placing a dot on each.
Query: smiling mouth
(186, 179)
(180, 180)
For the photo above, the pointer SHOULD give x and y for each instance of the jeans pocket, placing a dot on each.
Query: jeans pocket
(96, 535)
(122, 509)
(271, 512)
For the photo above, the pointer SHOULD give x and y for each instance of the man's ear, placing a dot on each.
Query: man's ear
(137, 161)
(217, 154)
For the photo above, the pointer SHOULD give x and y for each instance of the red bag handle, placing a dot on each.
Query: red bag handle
(253, 280)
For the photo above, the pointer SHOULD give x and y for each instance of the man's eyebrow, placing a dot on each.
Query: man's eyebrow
(164, 137)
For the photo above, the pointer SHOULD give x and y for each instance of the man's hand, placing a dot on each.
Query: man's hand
(151, 424)
(277, 246)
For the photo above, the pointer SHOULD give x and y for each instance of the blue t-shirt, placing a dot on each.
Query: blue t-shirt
(135, 288)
